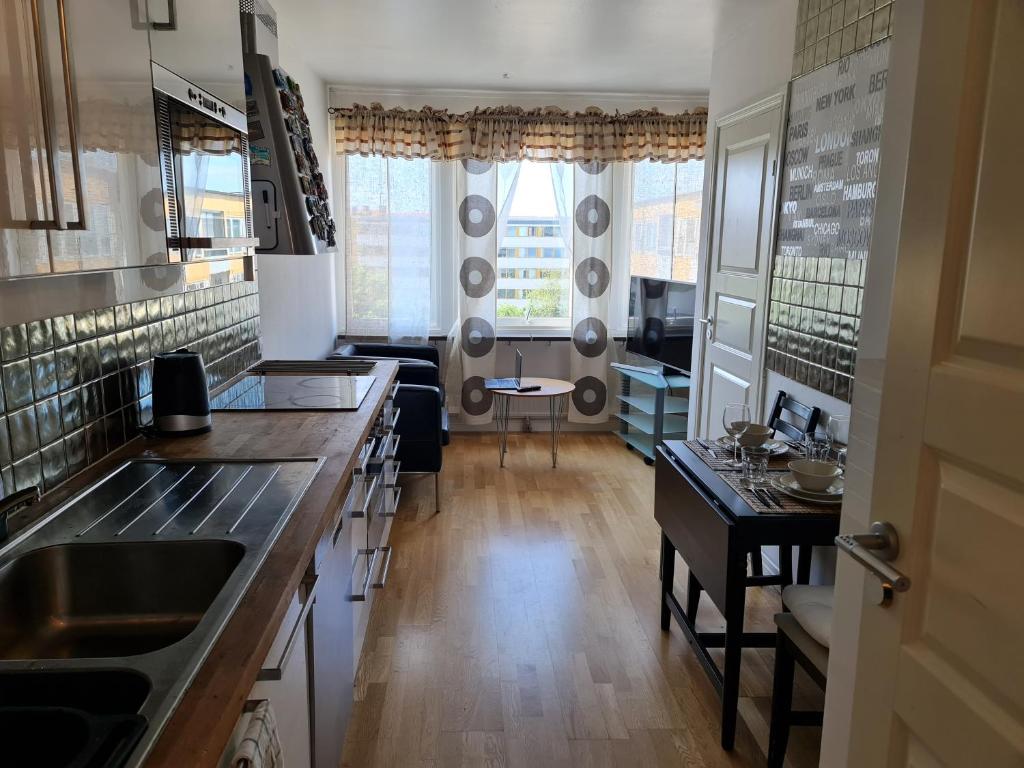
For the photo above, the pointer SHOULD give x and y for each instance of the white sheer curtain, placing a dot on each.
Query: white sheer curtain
(508, 180)
(388, 248)
(562, 184)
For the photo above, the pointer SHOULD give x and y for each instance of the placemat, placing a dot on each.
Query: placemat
(717, 458)
(790, 506)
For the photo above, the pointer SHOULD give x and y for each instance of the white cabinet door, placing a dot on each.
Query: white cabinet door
(289, 695)
(112, 151)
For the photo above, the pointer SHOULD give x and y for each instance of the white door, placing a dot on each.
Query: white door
(937, 678)
(739, 259)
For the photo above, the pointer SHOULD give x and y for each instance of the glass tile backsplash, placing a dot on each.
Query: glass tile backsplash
(76, 387)
(828, 30)
(814, 321)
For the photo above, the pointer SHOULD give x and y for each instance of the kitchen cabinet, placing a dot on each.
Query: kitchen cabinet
(80, 180)
(81, 187)
(332, 664)
(114, 144)
(200, 40)
(284, 682)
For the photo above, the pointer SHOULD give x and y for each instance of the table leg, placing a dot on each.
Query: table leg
(693, 590)
(735, 604)
(668, 573)
(556, 407)
(501, 413)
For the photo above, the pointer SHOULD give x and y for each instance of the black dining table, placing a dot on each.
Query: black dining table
(715, 530)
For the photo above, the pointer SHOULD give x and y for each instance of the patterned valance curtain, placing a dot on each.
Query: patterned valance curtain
(511, 133)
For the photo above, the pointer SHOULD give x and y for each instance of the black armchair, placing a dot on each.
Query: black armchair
(417, 363)
(423, 429)
(423, 424)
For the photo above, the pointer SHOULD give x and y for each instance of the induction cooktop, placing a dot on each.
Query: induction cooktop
(255, 392)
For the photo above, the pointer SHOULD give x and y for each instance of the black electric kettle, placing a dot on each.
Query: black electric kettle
(181, 396)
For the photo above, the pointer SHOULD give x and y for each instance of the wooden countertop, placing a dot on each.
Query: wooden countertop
(202, 723)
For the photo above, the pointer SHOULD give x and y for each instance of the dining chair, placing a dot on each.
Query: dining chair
(792, 418)
(803, 636)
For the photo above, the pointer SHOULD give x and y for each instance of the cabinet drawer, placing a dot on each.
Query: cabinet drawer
(286, 687)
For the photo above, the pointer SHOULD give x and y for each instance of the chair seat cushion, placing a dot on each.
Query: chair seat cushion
(811, 606)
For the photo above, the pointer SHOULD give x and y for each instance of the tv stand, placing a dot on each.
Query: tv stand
(653, 407)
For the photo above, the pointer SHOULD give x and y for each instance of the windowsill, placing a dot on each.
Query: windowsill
(527, 334)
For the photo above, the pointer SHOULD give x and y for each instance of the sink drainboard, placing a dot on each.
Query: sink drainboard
(139, 574)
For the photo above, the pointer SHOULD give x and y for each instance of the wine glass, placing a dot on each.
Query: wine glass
(735, 419)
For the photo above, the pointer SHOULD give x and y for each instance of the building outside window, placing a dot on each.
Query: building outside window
(666, 219)
(534, 263)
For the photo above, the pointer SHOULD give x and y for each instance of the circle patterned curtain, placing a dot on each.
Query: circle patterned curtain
(591, 273)
(477, 193)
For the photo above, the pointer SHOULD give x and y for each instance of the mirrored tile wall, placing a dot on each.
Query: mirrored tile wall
(76, 387)
(814, 321)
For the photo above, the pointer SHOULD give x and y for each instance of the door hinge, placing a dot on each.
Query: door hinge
(775, 166)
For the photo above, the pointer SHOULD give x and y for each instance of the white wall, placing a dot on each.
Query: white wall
(298, 307)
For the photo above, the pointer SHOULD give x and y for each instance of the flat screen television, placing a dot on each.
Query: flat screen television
(660, 325)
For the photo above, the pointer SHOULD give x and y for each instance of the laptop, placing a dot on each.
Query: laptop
(514, 382)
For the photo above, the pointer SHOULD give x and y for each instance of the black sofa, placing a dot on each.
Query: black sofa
(423, 424)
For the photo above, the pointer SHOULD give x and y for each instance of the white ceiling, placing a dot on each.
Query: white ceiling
(570, 46)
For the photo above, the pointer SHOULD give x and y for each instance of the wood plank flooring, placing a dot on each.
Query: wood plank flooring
(519, 627)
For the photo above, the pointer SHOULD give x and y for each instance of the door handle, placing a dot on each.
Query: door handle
(874, 550)
(172, 19)
(708, 323)
(50, 137)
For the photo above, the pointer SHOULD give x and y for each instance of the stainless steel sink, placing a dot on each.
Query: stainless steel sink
(83, 718)
(137, 576)
(74, 601)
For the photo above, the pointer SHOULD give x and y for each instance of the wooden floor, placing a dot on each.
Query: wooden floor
(519, 627)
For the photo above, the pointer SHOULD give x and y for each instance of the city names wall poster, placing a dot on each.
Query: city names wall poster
(830, 167)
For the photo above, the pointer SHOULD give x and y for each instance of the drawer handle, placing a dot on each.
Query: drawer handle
(395, 468)
(357, 513)
(371, 555)
(384, 568)
(396, 495)
(277, 671)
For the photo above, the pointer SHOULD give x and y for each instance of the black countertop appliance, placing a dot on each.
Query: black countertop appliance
(181, 396)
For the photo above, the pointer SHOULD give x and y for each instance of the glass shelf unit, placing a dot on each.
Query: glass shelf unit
(653, 407)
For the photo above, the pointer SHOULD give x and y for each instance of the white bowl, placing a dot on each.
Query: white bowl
(753, 435)
(813, 475)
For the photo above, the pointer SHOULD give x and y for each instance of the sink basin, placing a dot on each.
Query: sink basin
(62, 718)
(28, 736)
(96, 691)
(75, 601)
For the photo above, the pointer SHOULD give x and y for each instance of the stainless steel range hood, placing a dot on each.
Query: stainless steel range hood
(291, 213)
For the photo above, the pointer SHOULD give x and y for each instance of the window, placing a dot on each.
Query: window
(402, 256)
(388, 247)
(534, 264)
(666, 219)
